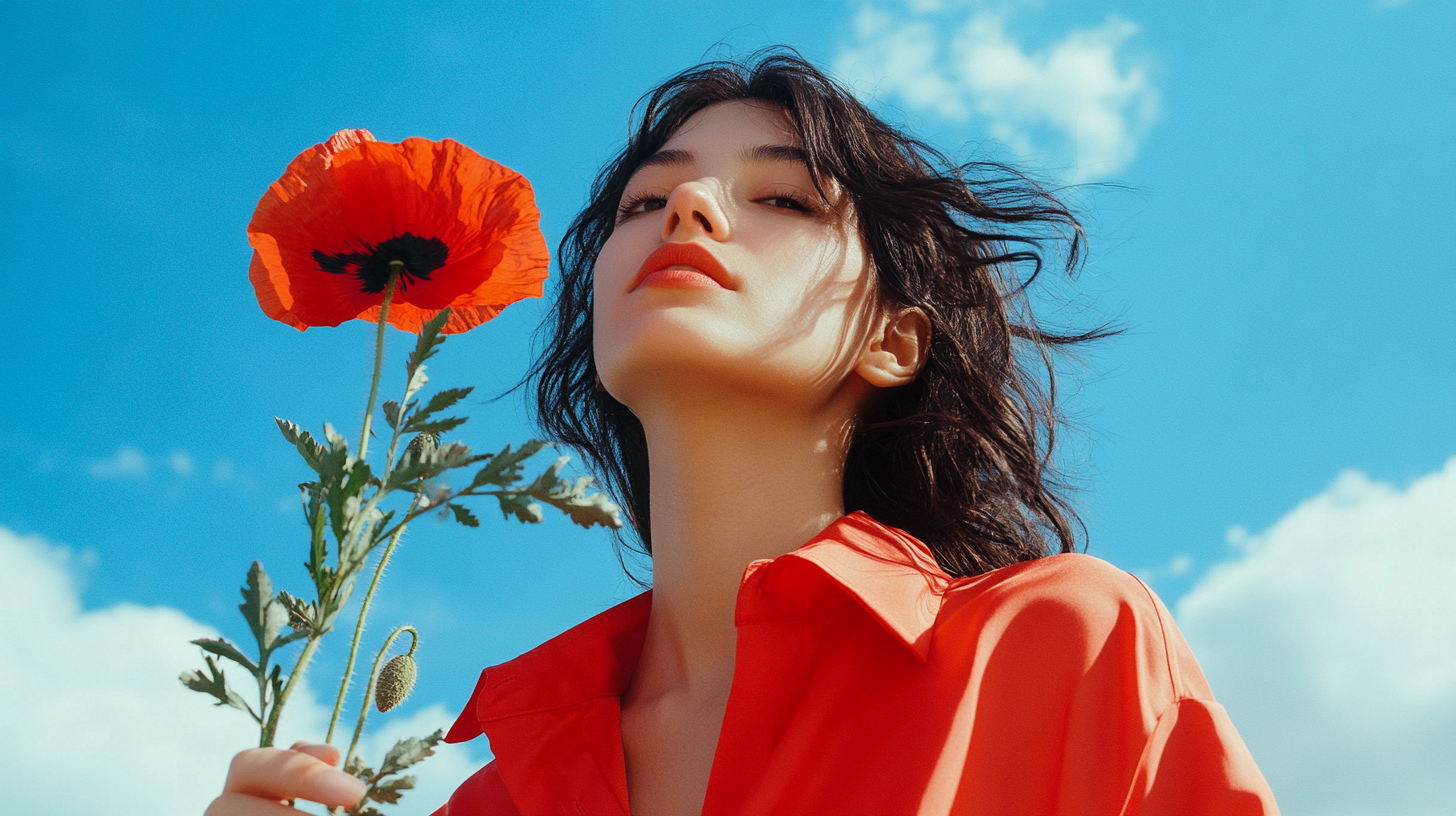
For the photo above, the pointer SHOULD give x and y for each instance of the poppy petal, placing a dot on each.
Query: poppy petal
(466, 228)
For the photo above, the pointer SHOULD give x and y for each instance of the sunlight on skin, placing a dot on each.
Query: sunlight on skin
(796, 269)
(747, 390)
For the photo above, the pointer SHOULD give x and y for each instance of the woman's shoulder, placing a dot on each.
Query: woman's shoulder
(1074, 581)
(1068, 612)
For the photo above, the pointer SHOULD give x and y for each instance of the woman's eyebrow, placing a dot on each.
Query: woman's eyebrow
(775, 153)
(671, 157)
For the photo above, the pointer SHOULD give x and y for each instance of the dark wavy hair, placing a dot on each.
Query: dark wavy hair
(961, 458)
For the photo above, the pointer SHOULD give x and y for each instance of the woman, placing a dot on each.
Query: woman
(782, 310)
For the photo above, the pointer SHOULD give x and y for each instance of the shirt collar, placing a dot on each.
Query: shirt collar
(891, 574)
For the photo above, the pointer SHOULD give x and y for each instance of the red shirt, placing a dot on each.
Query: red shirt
(868, 682)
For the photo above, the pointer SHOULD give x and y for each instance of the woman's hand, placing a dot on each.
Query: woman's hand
(261, 779)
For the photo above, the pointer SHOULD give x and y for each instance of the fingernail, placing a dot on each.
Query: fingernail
(337, 786)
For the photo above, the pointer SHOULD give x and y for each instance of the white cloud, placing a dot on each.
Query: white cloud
(96, 721)
(1332, 641)
(181, 463)
(1180, 564)
(127, 463)
(1176, 567)
(223, 470)
(1082, 100)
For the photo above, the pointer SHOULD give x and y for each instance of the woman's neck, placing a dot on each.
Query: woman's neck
(731, 482)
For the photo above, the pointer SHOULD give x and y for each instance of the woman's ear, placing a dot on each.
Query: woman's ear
(898, 347)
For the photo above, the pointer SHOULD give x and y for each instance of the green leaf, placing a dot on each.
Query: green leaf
(439, 426)
(505, 467)
(464, 516)
(307, 495)
(391, 413)
(520, 506)
(344, 497)
(439, 402)
(584, 509)
(307, 447)
(265, 616)
(550, 478)
(215, 684)
(355, 767)
(332, 464)
(318, 568)
(335, 439)
(433, 463)
(390, 792)
(407, 752)
(222, 648)
(417, 380)
(429, 340)
(380, 528)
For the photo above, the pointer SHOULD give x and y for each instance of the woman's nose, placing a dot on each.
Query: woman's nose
(692, 209)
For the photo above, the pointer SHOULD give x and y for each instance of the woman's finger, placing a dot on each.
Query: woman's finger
(272, 773)
(239, 804)
(321, 751)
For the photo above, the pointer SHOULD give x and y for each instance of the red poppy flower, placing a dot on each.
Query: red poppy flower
(325, 234)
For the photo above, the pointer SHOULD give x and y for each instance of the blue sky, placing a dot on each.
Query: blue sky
(1279, 247)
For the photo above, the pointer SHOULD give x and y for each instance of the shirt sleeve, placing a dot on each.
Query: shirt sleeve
(1194, 764)
(1089, 701)
(483, 794)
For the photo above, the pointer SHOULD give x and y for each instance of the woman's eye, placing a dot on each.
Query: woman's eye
(793, 202)
(641, 204)
(784, 202)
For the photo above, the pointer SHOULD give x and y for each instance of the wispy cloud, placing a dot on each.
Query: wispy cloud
(1084, 100)
(127, 463)
(181, 463)
(98, 690)
(1332, 641)
(1177, 567)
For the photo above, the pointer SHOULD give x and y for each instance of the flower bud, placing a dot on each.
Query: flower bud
(297, 611)
(395, 681)
(422, 446)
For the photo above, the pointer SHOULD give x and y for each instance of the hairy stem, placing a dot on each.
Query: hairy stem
(359, 626)
(389, 463)
(374, 678)
(395, 268)
(299, 668)
(263, 739)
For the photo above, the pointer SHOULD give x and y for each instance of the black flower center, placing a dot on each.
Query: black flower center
(420, 257)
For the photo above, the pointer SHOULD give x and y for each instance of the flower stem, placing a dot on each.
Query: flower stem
(298, 669)
(374, 678)
(359, 627)
(395, 268)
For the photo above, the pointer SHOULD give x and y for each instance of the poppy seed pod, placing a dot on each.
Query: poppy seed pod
(395, 681)
(422, 445)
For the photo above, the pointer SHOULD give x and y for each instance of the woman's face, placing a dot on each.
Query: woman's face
(727, 274)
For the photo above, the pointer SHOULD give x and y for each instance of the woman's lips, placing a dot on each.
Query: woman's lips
(685, 266)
